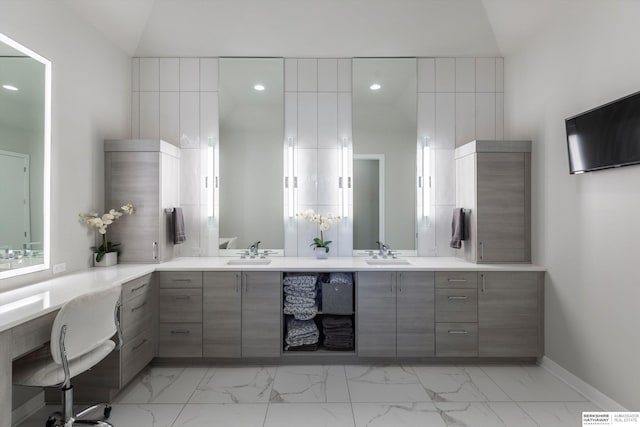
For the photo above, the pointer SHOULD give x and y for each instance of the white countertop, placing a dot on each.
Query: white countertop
(29, 302)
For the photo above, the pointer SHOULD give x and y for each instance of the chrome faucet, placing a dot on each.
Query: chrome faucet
(383, 250)
(253, 248)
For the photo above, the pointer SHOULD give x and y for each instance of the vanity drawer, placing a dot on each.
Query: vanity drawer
(181, 305)
(180, 279)
(136, 315)
(180, 340)
(456, 305)
(136, 354)
(456, 279)
(136, 287)
(456, 339)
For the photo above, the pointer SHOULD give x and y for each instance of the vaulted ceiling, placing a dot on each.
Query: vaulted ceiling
(318, 28)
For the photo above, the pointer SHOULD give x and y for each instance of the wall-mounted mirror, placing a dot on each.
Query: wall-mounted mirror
(25, 88)
(384, 152)
(250, 152)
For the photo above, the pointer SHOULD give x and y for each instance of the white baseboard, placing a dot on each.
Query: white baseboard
(596, 396)
(27, 409)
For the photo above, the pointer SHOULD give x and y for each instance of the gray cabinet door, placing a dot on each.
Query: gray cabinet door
(261, 314)
(221, 328)
(503, 233)
(376, 314)
(415, 314)
(510, 314)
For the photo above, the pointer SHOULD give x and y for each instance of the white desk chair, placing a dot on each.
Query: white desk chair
(80, 338)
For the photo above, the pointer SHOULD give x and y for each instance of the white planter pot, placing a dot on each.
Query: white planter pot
(321, 253)
(109, 259)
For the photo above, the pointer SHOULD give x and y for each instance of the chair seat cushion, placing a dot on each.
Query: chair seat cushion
(42, 371)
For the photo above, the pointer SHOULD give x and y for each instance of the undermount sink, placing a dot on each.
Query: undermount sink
(249, 261)
(388, 261)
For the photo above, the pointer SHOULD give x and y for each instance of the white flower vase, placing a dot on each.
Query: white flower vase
(109, 259)
(321, 253)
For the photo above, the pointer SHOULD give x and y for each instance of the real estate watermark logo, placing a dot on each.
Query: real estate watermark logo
(627, 419)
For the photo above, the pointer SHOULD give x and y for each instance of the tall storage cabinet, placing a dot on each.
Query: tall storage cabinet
(493, 184)
(146, 173)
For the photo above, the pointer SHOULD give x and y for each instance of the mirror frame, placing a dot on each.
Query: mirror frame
(46, 190)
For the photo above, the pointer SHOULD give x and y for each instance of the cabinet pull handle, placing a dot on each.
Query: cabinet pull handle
(483, 283)
(458, 332)
(453, 298)
(400, 283)
(139, 345)
(139, 307)
(137, 288)
(181, 280)
(155, 250)
(182, 297)
(481, 250)
(180, 332)
(457, 280)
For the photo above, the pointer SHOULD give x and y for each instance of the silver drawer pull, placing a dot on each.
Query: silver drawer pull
(139, 307)
(181, 332)
(457, 280)
(183, 297)
(139, 287)
(139, 345)
(181, 280)
(452, 298)
(458, 332)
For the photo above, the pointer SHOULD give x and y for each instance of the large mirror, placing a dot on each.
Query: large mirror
(24, 159)
(250, 152)
(384, 153)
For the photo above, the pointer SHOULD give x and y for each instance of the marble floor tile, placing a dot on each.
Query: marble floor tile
(396, 415)
(558, 414)
(252, 384)
(310, 384)
(384, 384)
(458, 384)
(149, 415)
(483, 414)
(529, 383)
(162, 385)
(309, 415)
(222, 415)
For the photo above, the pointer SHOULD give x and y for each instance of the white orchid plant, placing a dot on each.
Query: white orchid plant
(324, 223)
(101, 222)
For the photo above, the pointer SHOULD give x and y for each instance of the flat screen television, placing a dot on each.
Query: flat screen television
(605, 137)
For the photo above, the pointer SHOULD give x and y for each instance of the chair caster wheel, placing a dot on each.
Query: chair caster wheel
(107, 412)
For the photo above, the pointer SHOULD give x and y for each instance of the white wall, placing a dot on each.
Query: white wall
(91, 102)
(584, 227)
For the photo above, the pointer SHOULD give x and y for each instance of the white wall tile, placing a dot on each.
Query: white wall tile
(192, 230)
(135, 115)
(445, 74)
(485, 115)
(189, 119)
(345, 235)
(209, 234)
(149, 115)
(208, 118)
(290, 75)
(445, 120)
(344, 116)
(307, 120)
(344, 75)
(169, 74)
(426, 75)
(427, 116)
(149, 74)
(427, 234)
(444, 179)
(327, 75)
(465, 118)
(291, 115)
(500, 116)
(465, 74)
(327, 176)
(209, 74)
(291, 236)
(135, 74)
(307, 173)
(443, 230)
(307, 75)
(170, 117)
(499, 74)
(485, 74)
(189, 74)
(190, 176)
(327, 120)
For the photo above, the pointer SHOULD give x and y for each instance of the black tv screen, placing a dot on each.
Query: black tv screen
(605, 137)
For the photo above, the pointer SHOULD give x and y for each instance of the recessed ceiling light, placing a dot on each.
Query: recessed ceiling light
(10, 87)
(259, 87)
(375, 86)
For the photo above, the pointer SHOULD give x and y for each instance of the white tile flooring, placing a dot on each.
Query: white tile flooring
(351, 395)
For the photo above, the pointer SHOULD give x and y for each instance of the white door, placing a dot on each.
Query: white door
(14, 193)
